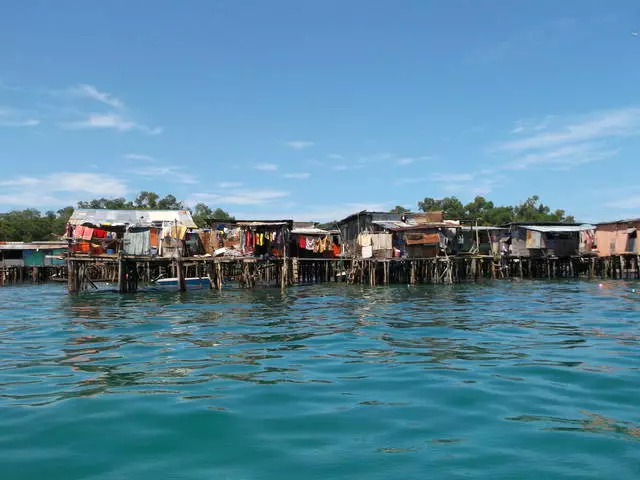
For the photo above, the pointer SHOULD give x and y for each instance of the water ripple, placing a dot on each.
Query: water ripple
(502, 380)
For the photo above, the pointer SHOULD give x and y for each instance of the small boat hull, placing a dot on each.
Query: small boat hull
(190, 283)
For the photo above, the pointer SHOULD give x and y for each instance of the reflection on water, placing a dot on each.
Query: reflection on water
(481, 379)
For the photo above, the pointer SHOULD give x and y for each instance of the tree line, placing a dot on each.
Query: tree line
(33, 225)
(485, 212)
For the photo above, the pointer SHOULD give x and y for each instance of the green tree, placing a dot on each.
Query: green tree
(220, 214)
(486, 212)
(202, 214)
(30, 225)
(169, 202)
(399, 209)
(452, 207)
(120, 203)
(147, 200)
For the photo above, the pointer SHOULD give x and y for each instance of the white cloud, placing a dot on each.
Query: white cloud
(301, 176)
(103, 121)
(335, 156)
(241, 197)
(452, 177)
(33, 200)
(138, 156)
(170, 173)
(405, 161)
(31, 122)
(619, 123)
(93, 183)
(563, 157)
(21, 182)
(90, 91)
(375, 157)
(409, 181)
(229, 184)
(527, 126)
(569, 141)
(111, 121)
(11, 117)
(11, 88)
(386, 157)
(38, 191)
(299, 144)
(629, 203)
(266, 167)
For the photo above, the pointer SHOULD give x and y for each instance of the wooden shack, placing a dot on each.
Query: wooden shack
(479, 240)
(165, 233)
(251, 238)
(550, 239)
(364, 222)
(618, 237)
(32, 254)
(309, 241)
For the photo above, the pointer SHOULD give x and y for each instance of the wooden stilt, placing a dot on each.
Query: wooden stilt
(180, 268)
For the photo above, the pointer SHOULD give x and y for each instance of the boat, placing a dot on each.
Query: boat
(190, 283)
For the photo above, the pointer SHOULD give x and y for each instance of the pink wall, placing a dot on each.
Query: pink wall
(612, 238)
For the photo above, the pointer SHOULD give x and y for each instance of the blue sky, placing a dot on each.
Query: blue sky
(312, 110)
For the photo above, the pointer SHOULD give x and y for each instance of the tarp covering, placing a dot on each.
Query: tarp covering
(422, 238)
(137, 243)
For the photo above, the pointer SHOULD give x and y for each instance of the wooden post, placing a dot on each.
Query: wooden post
(180, 268)
(71, 282)
(122, 276)
(219, 276)
(572, 269)
(285, 266)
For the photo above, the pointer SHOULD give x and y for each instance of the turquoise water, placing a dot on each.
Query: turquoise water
(504, 380)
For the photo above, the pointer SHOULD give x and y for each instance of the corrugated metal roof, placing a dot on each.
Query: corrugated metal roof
(468, 228)
(105, 217)
(381, 215)
(402, 226)
(558, 228)
(392, 224)
(32, 245)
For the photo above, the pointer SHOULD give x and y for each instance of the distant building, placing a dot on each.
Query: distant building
(134, 232)
(368, 222)
(32, 254)
(618, 237)
(550, 239)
